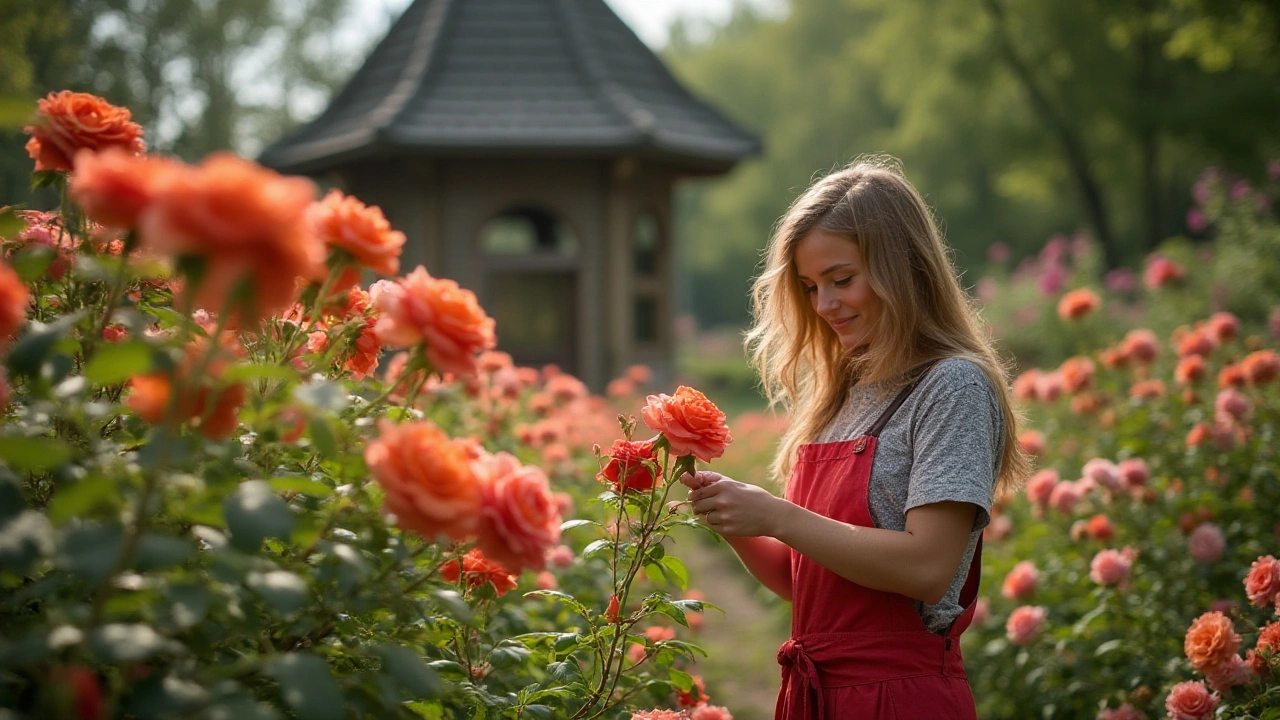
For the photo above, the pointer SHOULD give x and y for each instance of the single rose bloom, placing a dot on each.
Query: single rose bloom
(1160, 271)
(1190, 701)
(710, 712)
(697, 695)
(639, 374)
(1206, 544)
(631, 466)
(207, 403)
(1110, 567)
(1190, 369)
(1141, 346)
(1232, 673)
(419, 308)
(14, 299)
(1135, 472)
(1262, 585)
(1024, 386)
(1024, 624)
(1050, 386)
(659, 714)
(1065, 496)
(1147, 390)
(245, 224)
(1211, 640)
(67, 122)
(1040, 486)
(344, 222)
(474, 569)
(1124, 712)
(1078, 303)
(114, 186)
(1103, 472)
(1100, 528)
(1196, 342)
(1260, 367)
(1077, 373)
(1232, 403)
(521, 517)
(1021, 581)
(1224, 326)
(430, 480)
(691, 423)
(1032, 442)
(1268, 640)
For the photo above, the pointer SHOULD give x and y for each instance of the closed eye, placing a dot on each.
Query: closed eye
(843, 282)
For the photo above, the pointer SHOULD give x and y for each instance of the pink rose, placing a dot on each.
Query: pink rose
(1065, 496)
(1134, 472)
(1124, 712)
(520, 519)
(1104, 472)
(1232, 403)
(1206, 544)
(1024, 624)
(711, 712)
(1021, 581)
(1263, 583)
(1040, 486)
(1190, 701)
(1232, 673)
(561, 556)
(1110, 567)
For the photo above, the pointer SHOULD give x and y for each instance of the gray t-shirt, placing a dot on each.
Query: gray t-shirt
(943, 444)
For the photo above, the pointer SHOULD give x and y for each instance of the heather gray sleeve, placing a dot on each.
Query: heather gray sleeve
(956, 441)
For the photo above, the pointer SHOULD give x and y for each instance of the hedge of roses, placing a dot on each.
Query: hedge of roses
(222, 495)
(1134, 576)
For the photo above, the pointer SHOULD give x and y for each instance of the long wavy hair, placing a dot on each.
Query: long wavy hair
(926, 314)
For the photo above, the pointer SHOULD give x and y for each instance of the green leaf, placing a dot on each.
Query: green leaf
(448, 670)
(80, 498)
(322, 437)
(10, 223)
(676, 567)
(130, 642)
(571, 524)
(259, 371)
(91, 551)
(32, 454)
(283, 590)
(116, 362)
(255, 513)
(308, 687)
(158, 552)
(300, 484)
(595, 547)
(33, 262)
(1107, 647)
(682, 680)
(409, 670)
(569, 600)
(188, 604)
(33, 348)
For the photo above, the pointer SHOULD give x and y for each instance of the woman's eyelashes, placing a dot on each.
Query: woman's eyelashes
(838, 282)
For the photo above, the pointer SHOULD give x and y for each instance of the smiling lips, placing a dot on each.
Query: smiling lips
(841, 324)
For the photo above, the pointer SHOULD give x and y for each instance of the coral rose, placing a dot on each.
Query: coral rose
(1262, 585)
(711, 712)
(1135, 472)
(1190, 701)
(67, 122)
(1103, 472)
(1211, 640)
(1065, 496)
(1161, 270)
(1232, 673)
(521, 517)
(211, 406)
(1206, 544)
(1190, 369)
(14, 298)
(691, 423)
(1110, 567)
(429, 479)
(1124, 712)
(246, 224)
(631, 466)
(1223, 326)
(697, 695)
(1077, 373)
(114, 187)
(1232, 403)
(1268, 641)
(659, 715)
(419, 308)
(1032, 442)
(1040, 486)
(1024, 624)
(1100, 528)
(476, 570)
(1141, 346)
(1021, 581)
(1078, 303)
(363, 358)
(1260, 367)
(344, 222)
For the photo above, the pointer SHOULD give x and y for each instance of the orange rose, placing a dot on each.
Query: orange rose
(521, 517)
(114, 186)
(1078, 303)
(210, 406)
(1260, 367)
(479, 570)
(1211, 640)
(420, 308)
(345, 222)
(14, 297)
(67, 122)
(245, 223)
(429, 479)
(627, 468)
(1077, 373)
(364, 356)
(692, 424)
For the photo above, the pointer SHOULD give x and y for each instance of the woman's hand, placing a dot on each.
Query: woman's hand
(730, 507)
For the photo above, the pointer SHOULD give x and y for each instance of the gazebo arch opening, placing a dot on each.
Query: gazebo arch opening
(647, 248)
(531, 278)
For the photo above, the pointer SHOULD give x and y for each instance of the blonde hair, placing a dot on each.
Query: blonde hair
(925, 316)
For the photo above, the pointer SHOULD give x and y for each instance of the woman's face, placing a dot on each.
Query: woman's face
(834, 275)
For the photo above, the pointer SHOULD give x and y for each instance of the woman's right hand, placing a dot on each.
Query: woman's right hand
(700, 478)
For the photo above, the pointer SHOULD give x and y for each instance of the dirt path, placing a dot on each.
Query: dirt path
(741, 672)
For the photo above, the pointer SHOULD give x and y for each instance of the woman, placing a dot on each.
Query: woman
(863, 333)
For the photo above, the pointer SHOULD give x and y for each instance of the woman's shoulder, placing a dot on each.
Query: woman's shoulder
(953, 373)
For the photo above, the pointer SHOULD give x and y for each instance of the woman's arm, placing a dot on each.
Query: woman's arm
(919, 562)
(767, 559)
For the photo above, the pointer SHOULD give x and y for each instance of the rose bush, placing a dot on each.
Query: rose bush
(212, 505)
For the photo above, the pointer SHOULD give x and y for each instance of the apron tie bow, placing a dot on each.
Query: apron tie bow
(798, 666)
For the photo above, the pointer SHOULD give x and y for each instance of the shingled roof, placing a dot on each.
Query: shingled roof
(490, 77)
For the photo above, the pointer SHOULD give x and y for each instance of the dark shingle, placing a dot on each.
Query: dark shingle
(524, 75)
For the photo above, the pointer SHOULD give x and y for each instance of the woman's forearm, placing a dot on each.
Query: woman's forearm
(768, 560)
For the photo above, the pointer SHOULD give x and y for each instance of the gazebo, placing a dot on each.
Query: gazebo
(528, 149)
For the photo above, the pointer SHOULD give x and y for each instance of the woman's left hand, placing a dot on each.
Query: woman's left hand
(736, 509)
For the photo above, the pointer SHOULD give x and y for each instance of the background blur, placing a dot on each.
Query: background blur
(1020, 120)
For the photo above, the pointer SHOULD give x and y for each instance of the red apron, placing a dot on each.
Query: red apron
(857, 653)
